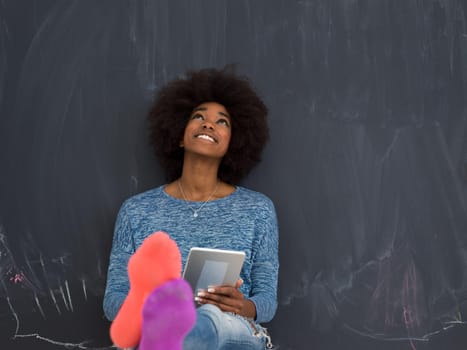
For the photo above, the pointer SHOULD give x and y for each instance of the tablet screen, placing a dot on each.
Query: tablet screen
(212, 273)
(212, 267)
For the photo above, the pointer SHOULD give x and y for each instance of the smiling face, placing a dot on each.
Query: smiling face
(208, 131)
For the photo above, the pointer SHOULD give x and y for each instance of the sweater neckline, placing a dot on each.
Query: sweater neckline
(228, 197)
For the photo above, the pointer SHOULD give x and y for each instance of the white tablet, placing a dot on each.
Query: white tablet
(212, 267)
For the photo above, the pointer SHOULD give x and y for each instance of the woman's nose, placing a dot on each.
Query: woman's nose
(208, 125)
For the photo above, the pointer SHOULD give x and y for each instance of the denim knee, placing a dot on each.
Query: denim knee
(215, 329)
(205, 334)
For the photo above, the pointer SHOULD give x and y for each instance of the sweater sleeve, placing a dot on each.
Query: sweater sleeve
(265, 269)
(117, 286)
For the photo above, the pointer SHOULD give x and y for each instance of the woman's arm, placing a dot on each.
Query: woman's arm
(265, 269)
(117, 277)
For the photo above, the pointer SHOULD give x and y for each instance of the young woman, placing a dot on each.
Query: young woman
(208, 130)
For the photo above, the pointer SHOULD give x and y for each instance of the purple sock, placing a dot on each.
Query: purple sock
(169, 313)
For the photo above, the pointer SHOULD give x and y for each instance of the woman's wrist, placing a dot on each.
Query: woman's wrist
(249, 309)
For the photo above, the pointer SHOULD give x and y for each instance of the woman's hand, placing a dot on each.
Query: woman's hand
(228, 298)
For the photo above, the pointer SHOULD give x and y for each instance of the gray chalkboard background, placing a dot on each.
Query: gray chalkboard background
(367, 163)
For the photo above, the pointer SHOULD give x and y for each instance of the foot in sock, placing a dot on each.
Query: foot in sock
(169, 313)
(154, 263)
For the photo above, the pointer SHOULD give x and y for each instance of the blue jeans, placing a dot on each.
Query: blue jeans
(217, 330)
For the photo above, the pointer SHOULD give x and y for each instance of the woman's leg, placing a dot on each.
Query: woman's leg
(217, 330)
(204, 335)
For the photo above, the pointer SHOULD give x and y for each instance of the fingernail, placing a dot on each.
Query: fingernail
(201, 294)
(211, 290)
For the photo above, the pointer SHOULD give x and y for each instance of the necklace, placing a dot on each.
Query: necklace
(195, 211)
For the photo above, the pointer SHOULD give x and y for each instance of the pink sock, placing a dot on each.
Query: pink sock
(169, 313)
(154, 263)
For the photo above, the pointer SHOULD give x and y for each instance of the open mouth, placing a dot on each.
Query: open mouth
(206, 137)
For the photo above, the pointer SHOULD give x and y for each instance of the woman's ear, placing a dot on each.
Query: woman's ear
(181, 144)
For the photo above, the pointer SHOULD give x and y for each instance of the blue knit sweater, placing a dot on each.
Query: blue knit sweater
(245, 220)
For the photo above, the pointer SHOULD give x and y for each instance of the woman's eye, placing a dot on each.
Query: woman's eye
(223, 122)
(197, 116)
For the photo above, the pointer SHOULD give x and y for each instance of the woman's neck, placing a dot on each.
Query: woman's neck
(197, 188)
(199, 179)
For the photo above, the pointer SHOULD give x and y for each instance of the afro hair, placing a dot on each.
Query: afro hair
(175, 102)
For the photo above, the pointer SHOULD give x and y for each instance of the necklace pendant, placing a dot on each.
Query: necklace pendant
(195, 211)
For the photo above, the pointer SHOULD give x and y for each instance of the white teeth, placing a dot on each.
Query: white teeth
(205, 137)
